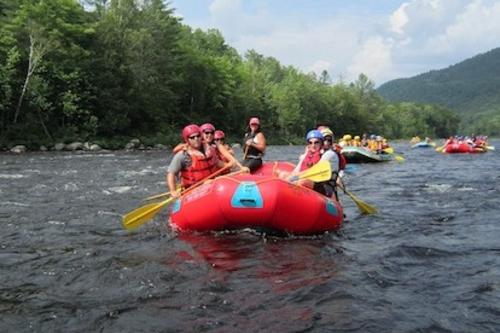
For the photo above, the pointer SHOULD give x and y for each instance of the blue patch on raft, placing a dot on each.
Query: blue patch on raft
(247, 195)
(330, 208)
(176, 206)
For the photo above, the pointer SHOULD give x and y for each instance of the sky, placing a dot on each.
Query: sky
(383, 39)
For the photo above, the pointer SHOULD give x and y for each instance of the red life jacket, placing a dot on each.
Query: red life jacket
(312, 157)
(201, 166)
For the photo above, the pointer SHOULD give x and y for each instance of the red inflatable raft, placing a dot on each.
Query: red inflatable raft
(462, 147)
(259, 200)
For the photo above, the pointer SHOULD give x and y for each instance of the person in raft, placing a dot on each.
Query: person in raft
(194, 163)
(313, 154)
(220, 138)
(254, 145)
(208, 137)
(338, 161)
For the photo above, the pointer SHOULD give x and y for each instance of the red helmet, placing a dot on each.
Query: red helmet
(207, 127)
(190, 130)
(254, 120)
(219, 135)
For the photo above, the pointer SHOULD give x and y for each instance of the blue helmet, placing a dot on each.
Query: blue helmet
(314, 134)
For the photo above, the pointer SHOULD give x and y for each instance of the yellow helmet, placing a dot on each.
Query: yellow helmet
(357, 137)
(326, 131)
(347, 137)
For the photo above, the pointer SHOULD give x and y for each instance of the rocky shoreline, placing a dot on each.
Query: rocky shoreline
(134, 144)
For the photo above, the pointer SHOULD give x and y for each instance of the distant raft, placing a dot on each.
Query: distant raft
(462, 147)
(259, 200)
(424, 144)
(355, 154)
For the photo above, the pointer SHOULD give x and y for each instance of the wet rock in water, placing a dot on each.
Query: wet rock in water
(95, 147)
(74, 146)
(59, 146)
(19, 149)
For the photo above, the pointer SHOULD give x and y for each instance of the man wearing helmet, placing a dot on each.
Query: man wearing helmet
(196, 162)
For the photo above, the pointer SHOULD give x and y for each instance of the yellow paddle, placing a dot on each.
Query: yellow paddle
(389, 150)
(319, 172)
(364, 207)
(161, 195)
(144, 213)
(398, 158)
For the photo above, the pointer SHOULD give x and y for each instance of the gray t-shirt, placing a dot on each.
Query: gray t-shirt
(180, 161)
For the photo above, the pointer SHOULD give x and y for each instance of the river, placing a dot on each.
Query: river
(429, 261)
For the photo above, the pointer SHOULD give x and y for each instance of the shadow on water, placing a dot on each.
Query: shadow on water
(427, 262)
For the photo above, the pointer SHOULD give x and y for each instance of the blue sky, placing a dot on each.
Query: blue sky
(382, 39)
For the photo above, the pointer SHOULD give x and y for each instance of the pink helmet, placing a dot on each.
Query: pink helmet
(190, 130)
(254, 120)
(207, 127)
(219, 135)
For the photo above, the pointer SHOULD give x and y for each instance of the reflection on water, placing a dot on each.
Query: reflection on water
(428, 262)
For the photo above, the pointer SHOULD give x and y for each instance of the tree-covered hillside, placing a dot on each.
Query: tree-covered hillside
(121, 69)
(471, 87)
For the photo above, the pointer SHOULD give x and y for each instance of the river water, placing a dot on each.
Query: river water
(429, 261)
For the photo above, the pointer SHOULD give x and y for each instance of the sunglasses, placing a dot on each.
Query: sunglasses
(314, 142)
(208, 132)
(219, 139)
(328, 139)
(192, 137)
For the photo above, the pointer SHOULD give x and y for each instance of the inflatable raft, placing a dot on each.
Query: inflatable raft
(363, 155)
(259, 200)
(462, 147)
(424, 144)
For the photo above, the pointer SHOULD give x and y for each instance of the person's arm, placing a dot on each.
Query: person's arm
(296, 170)
(232, 160)
(179, 147)
(173, 169)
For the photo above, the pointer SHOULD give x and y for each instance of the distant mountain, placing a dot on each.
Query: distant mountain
(471, 87)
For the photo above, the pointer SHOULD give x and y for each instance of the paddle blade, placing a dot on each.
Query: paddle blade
(399, 158)
(490, 147)
(141, 215)
(389, 150)
(319, 172)
(364, 207)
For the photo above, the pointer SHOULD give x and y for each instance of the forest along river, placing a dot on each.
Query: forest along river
(429, 261)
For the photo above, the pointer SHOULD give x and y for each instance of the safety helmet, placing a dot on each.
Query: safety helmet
(219, 135)
(190, 130)
(378, 138)
(254, 121)
(314, 134)
(372, 136)
(357, 138)
(207, 127)
(325, 131)
(347, 137)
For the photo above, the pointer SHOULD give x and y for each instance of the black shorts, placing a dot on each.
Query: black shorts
(252, 163)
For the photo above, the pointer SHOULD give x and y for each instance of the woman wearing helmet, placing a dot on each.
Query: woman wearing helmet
(313, 154)
(220, 139)
(207, 135)
(254, 145)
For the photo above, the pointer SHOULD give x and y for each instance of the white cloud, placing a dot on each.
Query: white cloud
(399, 19)
(418, 36)
(374, 60)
